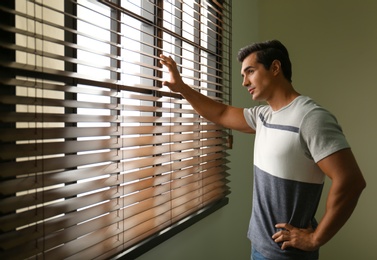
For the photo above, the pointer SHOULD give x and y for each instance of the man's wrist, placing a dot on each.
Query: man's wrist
(316, 241)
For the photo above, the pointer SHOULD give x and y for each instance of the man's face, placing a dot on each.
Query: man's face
(256, 78)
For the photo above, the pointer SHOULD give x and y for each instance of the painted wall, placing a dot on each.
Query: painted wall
(333, 48)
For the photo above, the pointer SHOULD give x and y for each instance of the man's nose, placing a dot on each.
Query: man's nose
(245, 82)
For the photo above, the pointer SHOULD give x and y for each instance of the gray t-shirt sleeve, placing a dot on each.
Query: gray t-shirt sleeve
(321, 135)
(251, 115)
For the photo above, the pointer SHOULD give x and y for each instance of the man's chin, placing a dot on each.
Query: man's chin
(254, 97)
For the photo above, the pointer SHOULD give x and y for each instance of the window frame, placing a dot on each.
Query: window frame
(70, 22)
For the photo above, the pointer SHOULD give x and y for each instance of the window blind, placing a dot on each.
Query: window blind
(97, 156)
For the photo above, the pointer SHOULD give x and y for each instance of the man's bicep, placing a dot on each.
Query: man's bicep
(341, 165)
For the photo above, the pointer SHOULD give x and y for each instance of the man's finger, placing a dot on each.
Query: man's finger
(285, 226)
(285, 245)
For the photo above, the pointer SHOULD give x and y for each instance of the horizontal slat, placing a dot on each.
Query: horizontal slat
(98, 236)
(183, 210)
(9, 219)
(13, 169)
(211, 179)
(155, 206)
(65, 77)
(140, 219)
(12, 221)
(60, 58)
(21, 134)
(51, 241)
(33, 182)
(41, 102)
(34, 198)
(13, 117)
(13, 151)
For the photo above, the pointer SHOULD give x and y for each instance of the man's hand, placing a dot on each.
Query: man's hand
(176, 81)
(291, 236)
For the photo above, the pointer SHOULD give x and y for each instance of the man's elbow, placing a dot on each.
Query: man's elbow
(362, 185)
(359, 185)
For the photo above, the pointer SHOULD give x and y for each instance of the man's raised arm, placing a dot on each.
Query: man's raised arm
(216, 112)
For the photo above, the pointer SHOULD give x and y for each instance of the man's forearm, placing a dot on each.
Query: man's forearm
(205, 106)
(347, 184)
(339, 208)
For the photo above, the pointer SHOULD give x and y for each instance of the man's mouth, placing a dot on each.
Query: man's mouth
(251, 90)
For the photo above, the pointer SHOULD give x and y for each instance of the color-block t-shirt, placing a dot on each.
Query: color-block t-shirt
(287, 181)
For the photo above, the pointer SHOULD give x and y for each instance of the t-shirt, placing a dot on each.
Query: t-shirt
(287, 181)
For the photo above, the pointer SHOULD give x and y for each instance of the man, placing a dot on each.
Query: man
(297, 144)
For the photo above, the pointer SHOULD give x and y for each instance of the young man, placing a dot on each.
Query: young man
(297, 144)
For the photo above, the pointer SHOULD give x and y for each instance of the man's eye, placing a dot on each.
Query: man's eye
(250, 71)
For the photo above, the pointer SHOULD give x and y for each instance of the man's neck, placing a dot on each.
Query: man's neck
(282, 97)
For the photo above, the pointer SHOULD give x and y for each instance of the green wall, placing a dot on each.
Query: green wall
(333, 47)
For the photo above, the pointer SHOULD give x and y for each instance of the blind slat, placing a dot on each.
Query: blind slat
(10, 117)
(211, 178)
(11, 151)
(107, 68)
(35, 198)
(12, 169)
(33, 182)
(20, 134)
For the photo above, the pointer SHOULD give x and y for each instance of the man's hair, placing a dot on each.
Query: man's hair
(266, 53)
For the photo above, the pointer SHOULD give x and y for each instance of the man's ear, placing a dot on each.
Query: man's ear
(275, 67)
